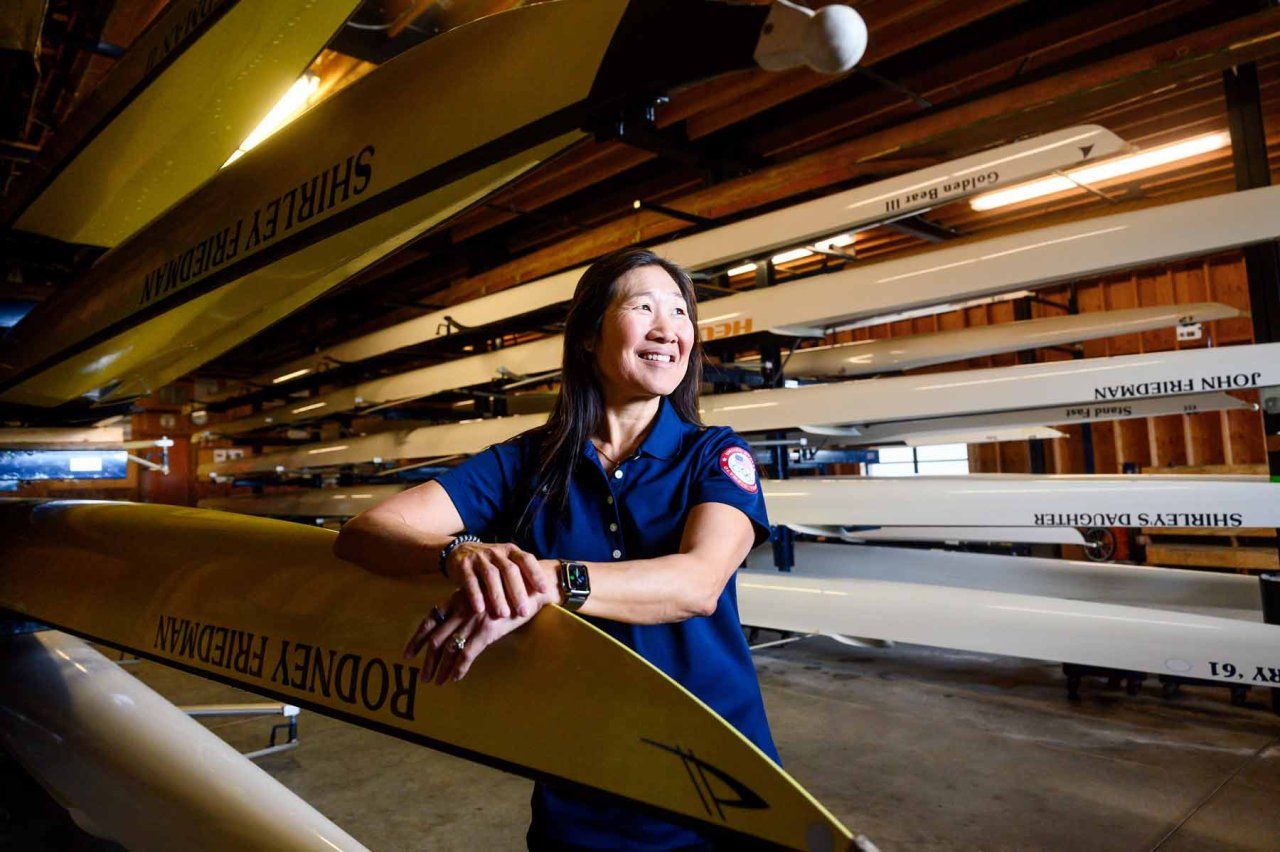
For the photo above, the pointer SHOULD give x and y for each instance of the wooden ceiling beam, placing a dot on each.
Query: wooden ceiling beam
(768, 185)
(1069, 96)
(943, 82)
(948, 83)
(591, 162)
(894, 29)
(925, 22)
(1037, 106)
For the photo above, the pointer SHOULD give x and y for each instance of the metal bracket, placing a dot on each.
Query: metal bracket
(289, 711)
(163, 467)
(637, 126)
(1270, 399)
(920, 228)
(672, 213)
(450, 326)
(1190, 331)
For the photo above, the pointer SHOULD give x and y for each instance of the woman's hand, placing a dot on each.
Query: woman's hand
(499, 579)
(438, 633)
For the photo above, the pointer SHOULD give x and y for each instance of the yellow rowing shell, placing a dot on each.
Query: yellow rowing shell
(345, 184)
(263, 605)
(352, 180)
(189, 89)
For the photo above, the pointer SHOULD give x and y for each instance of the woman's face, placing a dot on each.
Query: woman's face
(645, 337)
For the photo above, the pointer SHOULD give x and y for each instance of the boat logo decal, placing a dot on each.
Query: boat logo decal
(732, 328)
(702, 774)
(182, 30)
(1168, 387)
(1138, 519)
(739, 466)
(312, 197)
(325, 674)
(943, 188)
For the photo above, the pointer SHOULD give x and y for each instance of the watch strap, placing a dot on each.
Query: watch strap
(573, 598)
(449, 548)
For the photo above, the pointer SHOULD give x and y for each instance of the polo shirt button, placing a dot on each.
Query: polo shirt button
(617, 554)
(617, 474)
(613, 527)
(609, 500)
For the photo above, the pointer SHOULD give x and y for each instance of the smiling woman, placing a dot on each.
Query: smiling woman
(623, 507)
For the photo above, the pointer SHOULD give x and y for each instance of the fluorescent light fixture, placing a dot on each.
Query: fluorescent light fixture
(322, 450)
(838, 241)
(287, 376)
(289, 107)
(1107, 170)
(788, 256)
(312, 407)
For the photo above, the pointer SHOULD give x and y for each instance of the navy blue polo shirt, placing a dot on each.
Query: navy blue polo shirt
(637, 512)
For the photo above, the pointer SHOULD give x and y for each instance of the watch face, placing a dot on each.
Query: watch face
(576, 578)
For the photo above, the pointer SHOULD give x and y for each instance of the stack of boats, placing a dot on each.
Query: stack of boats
(855, 395)
(370, 169)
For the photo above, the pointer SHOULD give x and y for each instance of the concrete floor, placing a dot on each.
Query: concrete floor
(916, 748)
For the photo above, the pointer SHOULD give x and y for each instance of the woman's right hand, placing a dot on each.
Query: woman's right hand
(497, 579)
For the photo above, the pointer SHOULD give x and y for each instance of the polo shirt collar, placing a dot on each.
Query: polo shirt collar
(663, 440)
(668, 430)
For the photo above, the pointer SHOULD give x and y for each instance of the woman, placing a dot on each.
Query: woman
(623, 507)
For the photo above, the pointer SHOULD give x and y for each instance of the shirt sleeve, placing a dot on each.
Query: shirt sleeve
(727, 474)
(484, 486)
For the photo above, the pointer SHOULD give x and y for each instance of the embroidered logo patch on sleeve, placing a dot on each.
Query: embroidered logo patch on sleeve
(739, 466)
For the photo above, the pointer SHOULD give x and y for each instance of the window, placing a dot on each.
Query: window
(937, 460)
(17, 465)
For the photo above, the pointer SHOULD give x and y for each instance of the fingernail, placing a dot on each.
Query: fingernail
(524, 610)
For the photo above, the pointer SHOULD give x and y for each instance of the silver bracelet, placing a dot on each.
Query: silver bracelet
(450, 548)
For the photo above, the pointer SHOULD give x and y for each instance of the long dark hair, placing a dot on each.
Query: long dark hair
(579, 408)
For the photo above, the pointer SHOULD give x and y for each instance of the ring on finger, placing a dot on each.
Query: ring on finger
(459, 642)
(437, 615)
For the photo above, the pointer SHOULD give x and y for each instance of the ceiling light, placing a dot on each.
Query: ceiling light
(838, 241)
(739, 270)
(287, 376)
(788, 256)
(1104, 171)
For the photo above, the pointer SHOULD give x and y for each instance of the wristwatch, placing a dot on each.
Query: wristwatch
(450, 548)
(575, 584)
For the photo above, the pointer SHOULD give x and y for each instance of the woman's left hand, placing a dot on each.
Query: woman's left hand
(444, 659)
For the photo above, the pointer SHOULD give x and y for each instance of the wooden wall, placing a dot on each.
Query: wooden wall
(1210, 438)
